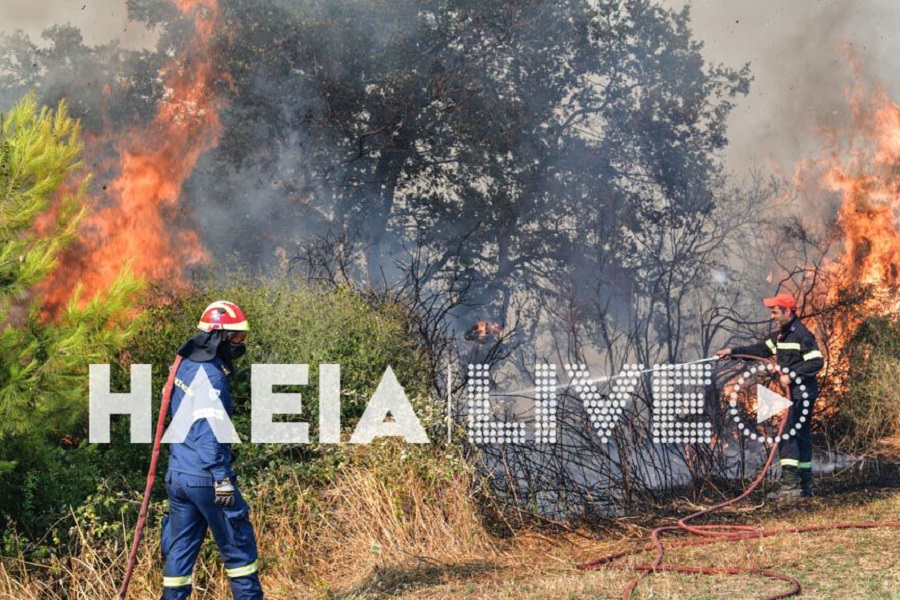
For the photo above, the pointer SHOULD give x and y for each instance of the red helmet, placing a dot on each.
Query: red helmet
(223, 314)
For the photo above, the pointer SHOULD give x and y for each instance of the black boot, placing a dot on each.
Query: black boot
(806, 483)
(790, 484)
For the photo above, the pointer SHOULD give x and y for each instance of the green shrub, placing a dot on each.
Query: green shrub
(869, 410)
(44, 357)
(288, 324)
(103, 484)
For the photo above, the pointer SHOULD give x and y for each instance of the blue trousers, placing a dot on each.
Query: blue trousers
(192, 509)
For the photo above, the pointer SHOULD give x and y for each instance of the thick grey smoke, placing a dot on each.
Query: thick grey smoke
(798, 60)
(266, 187)
(100, 21)
(794, 48)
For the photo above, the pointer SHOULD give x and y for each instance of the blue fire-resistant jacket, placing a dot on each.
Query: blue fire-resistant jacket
(201, 454)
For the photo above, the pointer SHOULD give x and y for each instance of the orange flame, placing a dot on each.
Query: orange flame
(134, 223)
(863, 168)
(482, 331)
(868, 181)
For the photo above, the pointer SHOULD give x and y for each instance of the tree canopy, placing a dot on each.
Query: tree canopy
(546, 153)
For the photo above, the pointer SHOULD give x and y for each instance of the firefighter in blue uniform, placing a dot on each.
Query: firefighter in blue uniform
(200, 480)
(795, 349)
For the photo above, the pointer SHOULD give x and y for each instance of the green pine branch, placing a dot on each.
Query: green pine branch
(44, 364)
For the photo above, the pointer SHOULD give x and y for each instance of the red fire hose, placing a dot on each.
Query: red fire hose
(151, 476)
(720, 533)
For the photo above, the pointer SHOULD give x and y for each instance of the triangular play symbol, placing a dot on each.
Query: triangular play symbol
(768, 403)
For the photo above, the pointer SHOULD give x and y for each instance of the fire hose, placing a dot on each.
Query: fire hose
(720, 533)
(151, 476)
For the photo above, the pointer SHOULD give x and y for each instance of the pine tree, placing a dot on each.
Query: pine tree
(44, 362)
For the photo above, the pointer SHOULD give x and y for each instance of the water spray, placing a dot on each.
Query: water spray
(607, 378)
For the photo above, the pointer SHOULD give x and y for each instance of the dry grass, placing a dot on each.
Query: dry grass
(398, 532)
(832, 564)
(388, 508)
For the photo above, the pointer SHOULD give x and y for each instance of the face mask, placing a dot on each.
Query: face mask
(234, 351)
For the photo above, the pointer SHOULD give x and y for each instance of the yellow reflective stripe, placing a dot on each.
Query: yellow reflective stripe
(176, 581)
(789, 462)
(812, 355)
(183, 387)
(771, 346)
(804, 465)
(788, 345)
(241, 571)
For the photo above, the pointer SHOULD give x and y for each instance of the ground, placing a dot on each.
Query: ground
(849, 563)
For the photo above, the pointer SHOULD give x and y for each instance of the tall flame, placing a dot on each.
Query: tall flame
(869, 184)
(864, 172)
(134, 223)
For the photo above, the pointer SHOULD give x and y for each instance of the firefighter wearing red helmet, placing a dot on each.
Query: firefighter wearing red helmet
(203, 492)
(795, 349)
(223, 315)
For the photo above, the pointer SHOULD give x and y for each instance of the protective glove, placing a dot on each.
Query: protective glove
(224, 493)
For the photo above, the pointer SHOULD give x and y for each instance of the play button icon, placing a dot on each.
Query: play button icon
(768, 403)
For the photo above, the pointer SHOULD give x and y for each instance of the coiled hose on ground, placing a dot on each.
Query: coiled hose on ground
(719, 533)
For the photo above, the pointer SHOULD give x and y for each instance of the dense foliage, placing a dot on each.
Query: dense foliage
(867, 409)
(43, 362)
(559, 160)
(289, 325)
(551, 163)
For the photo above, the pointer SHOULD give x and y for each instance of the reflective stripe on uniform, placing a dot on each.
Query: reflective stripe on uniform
(183, 387)
(176, 581)
(812, 355)
(804, 465)
(771, 346)
(241, 571)
(789, 462)
(788, 345)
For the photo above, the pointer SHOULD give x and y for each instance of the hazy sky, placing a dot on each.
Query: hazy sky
(796, 51)
(99, 20)
(794, 47)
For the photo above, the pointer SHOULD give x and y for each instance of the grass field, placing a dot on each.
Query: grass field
(410, 538)
(829, 564)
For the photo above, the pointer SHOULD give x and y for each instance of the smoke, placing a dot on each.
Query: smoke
(797, 56)
(330, 102)
(270, 183)
(794, 49)
(100, 21)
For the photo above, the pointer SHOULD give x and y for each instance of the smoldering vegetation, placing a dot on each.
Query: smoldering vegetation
(551, 167)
